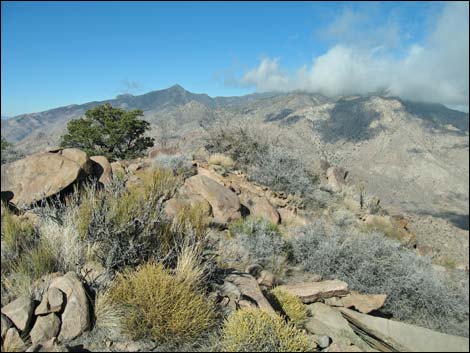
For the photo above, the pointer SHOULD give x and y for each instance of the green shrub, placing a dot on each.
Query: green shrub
(291, 305)
(372, 263)
(162, 307)
(254, 330)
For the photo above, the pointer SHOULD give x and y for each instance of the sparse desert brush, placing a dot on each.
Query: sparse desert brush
(265, 161)
(161, 306)
(255, 330)
(222, 160)
(291, 305)
(191, 218)
(258, 241)
(372, 263)
(17, 234)
(180, 164)
(127, 226)
(383, 226)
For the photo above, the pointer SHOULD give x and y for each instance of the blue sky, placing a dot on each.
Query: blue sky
(55, 54)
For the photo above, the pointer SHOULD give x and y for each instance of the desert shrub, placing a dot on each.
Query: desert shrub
(384, 227)
(17, 235)
(344, 218)
(179, 163)
(222, 160)
(127, 225)
(191, 218)
(254, 330)
(161, 306)
(371, 263)
(291, 305)
(265, 161)
(109, 315)
(261, 240)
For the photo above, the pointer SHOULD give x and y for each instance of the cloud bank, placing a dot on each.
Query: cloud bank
(364, 61)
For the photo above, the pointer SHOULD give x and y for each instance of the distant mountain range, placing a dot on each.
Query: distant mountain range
(415, 155)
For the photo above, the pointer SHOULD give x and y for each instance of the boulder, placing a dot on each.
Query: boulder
(51, 302)
(259, 206)
(310, 292)
(224, 203)
(118, 169)
(79, 157)
(76, 316)
(13, 342)
(334, 301)
(31, 179)
(20, 312)
(323, 341)
(365, 303)
(45, 328)
(336, 178)
(102, 169)
(94, 273)
(250, 290)
(6, 324)
(390, 335)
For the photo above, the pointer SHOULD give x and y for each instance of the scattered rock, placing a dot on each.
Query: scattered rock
(389, 335)
(102, 169)
(13, 342)
(51, 302)
(20, 312)
(48, 346)
(76, 317)
(250, 290)
(267, 279)
(313, 291)
(118, 169)
(225, 204)
(45, 328)
(365, 303)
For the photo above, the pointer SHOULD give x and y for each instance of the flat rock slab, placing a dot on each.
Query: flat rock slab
(365, 303)
(20, 312)
(388, 335)
(311, 292)
(327, 321)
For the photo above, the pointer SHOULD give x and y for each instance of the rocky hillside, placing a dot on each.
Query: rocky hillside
(209, 258)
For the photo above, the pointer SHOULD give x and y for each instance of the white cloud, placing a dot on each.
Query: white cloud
(436, 70)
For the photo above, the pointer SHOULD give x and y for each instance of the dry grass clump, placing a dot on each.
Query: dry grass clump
(222, 160)
(254, 330)
(191, 218)
(291, 305)
(385, 227)
(162, 306)
(109, 316)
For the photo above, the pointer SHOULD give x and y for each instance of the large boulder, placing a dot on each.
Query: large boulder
(13, 341)
(20, 312)
(80, 157)
(76, 316)
(310, 292)
(102, 169)
(31, 179)
(51, 302)
(224, 202)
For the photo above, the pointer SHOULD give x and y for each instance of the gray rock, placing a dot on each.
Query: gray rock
(323, 341)
(20, 312)
(76, 317)
(389, 335)
(13, 342)
(310, 292)
(45, 328)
